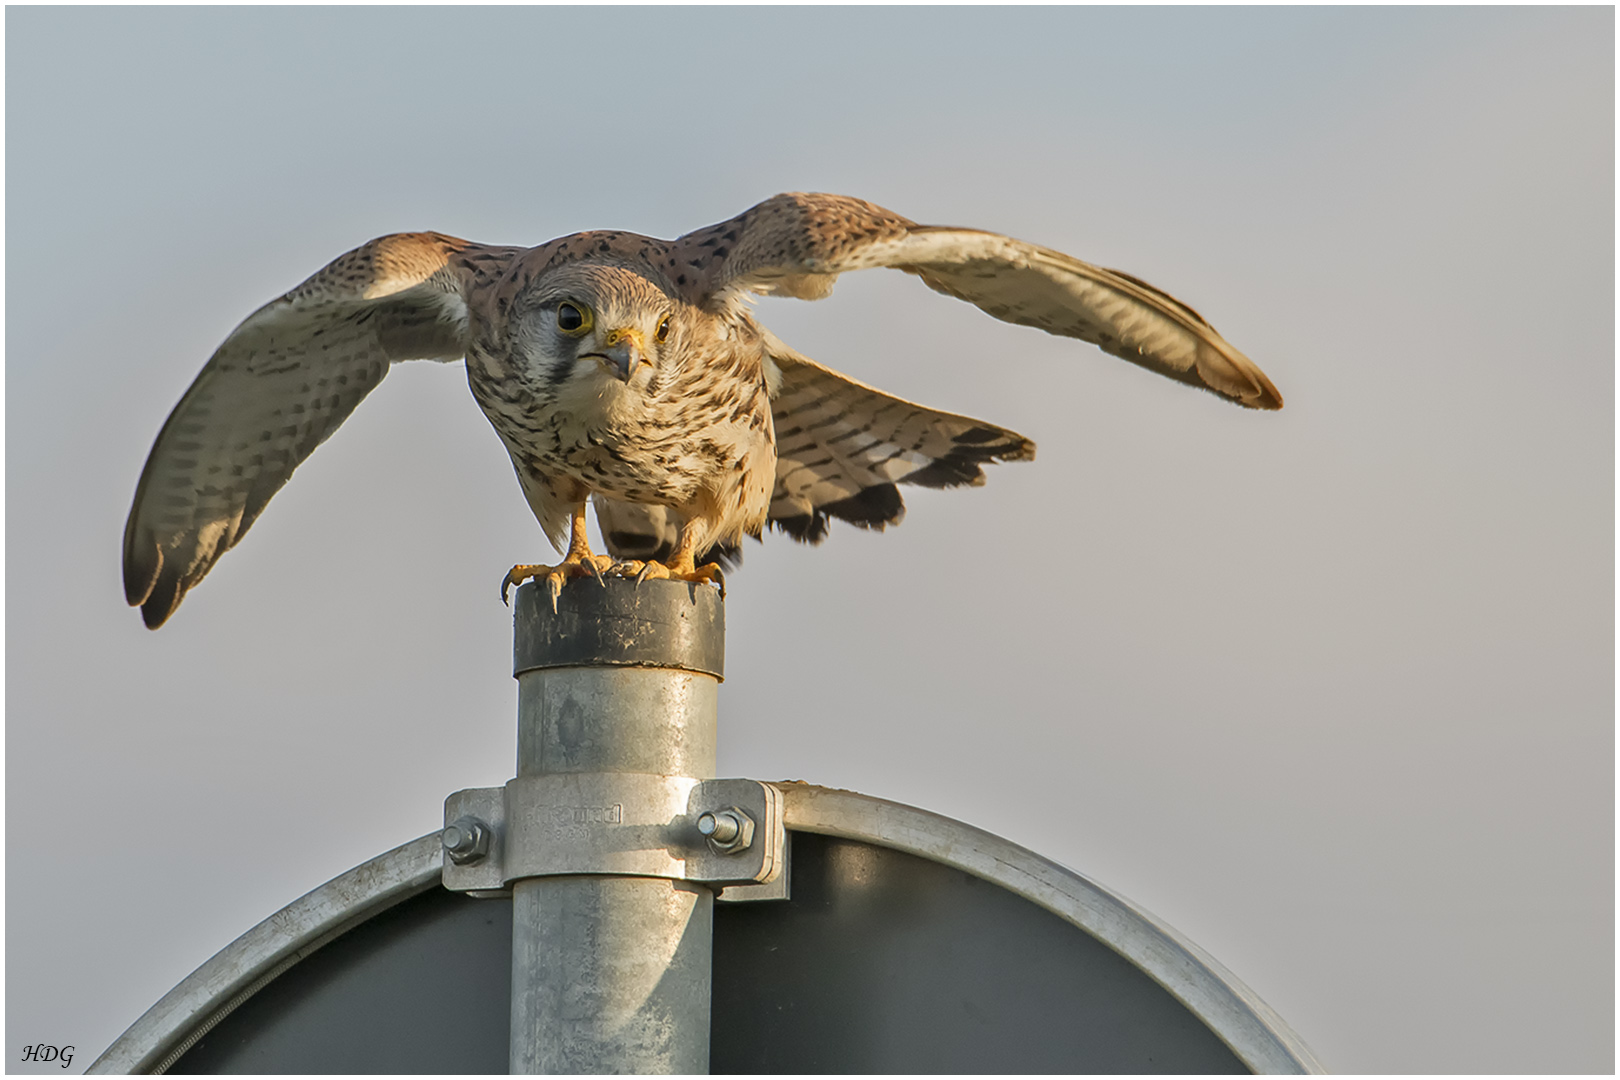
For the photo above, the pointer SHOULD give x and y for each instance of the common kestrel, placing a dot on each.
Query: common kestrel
(629, 371)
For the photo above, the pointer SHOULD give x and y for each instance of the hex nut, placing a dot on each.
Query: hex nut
(728, 831)
(466, 840)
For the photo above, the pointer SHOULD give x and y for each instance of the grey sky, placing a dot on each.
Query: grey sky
(1330, 691)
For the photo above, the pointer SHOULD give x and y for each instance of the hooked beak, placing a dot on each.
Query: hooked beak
(624, 352)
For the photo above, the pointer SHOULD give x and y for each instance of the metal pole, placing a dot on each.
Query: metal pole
(611, 974)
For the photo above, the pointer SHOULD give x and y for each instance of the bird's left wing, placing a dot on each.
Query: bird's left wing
(279, 385)
(796, 245)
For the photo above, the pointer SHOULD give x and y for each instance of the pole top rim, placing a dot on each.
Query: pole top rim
(617, 622)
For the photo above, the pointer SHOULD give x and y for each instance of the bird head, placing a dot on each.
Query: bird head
(597, 323)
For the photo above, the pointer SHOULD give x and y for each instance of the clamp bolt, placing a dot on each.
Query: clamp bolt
(728, 831)
(466, 840)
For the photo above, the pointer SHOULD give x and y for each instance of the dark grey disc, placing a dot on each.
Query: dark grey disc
(881, 962)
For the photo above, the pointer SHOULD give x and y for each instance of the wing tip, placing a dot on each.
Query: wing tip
(143, 562)
(162, 602)
(138, 583)
(149, 584)
(1265, 395)
(1234, 376)
(153, 617)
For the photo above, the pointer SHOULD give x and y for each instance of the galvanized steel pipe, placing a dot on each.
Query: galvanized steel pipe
(612, 974)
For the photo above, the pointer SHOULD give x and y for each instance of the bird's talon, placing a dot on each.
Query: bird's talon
(599, 566)
(576, 564)
(517, 576)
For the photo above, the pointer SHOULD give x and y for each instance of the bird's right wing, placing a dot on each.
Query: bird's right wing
(278, 386)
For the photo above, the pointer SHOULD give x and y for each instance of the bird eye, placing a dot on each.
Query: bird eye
(572, 319)
(661, 335)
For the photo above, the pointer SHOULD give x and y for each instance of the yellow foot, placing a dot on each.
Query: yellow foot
(575, 565)
(642, 571)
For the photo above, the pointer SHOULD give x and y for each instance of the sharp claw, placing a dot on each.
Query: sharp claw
(554, 586)
(646, 568)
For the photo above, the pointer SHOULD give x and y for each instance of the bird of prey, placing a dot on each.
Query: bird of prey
(628, 371)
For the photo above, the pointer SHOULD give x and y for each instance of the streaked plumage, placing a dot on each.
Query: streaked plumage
(667, 405)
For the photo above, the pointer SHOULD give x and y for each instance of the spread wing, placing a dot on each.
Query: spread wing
(277, 388)
(842, 448)
(796, 245)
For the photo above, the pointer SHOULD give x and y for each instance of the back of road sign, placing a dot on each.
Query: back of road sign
(910, 943)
